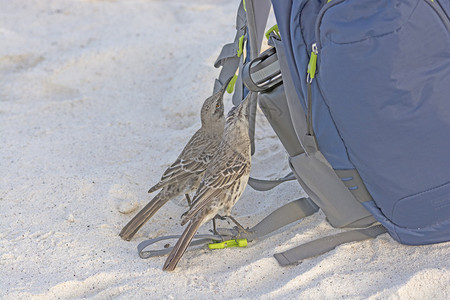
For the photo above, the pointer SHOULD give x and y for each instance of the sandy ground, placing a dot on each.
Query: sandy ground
(97, 98)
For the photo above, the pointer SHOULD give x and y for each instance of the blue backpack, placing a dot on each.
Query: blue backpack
(377, 92)
(358, 91)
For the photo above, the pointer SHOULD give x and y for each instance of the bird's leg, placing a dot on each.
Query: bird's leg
(214, 230)
(185, 213)
(189, 203)
(220, 217)
(240, 227)
(188, 200)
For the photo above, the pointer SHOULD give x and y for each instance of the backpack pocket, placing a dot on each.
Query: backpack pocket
(384, 73)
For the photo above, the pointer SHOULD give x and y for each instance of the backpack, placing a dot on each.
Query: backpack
(358, 93)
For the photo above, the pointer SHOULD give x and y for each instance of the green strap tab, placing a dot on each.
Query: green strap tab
(274, 28)
(227, 244)
(312, 65)
(241, 46)
(230, 87)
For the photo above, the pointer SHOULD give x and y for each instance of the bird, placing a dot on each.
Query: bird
(184, 175)
(223, 182)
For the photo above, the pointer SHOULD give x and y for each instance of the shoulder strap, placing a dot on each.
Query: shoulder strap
(231, 57)
(250, 25)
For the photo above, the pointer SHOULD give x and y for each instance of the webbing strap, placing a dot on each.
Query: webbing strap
(238, 94)
(289, 213)
(250, 24)
(265, 185)
(257, 16)
(228, 57)
(323, 245)
(199, 239)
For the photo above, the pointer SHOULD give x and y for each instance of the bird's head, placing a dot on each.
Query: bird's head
(240, 112)
(212, 110)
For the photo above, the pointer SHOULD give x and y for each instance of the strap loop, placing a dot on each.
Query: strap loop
(265, 185)
(287, 214)
(199, 239)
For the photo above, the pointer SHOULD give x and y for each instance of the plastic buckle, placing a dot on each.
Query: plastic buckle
(241, 46)
(228, 244)
(274, 28)
(230, 87)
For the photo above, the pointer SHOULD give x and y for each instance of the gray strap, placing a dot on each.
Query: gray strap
(289, 213)
(257, 14)
(256, 23)
(323, 245)
(265, 185)
(238, 94)
(199, 239)
(228, 58)
(253, 107)
(256, 18)
(228, 51)
(292, 98)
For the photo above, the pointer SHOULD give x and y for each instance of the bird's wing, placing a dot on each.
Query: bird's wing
(193, 160)
(221, 175)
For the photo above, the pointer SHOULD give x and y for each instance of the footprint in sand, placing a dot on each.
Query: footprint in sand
(124, 200)
(58, 92)
(18, 63)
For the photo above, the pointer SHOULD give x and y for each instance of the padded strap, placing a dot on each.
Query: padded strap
(257, 15)
(323, 245)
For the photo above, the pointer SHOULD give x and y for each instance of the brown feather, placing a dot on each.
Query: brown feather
(182, 244)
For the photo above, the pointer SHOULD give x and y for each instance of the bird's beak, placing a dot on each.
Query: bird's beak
(225, 86)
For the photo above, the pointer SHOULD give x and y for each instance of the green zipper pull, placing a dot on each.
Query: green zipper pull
(312, 63)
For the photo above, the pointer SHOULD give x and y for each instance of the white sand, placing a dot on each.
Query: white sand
(96, 99)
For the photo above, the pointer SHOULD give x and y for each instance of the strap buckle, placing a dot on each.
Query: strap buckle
(274, 28)
(228, 244)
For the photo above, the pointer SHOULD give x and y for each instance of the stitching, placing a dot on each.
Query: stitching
(426, 191)
(380, 35)
(417, 194)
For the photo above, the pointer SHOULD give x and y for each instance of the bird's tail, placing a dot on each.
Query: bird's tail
(182, 244)
(144, 215)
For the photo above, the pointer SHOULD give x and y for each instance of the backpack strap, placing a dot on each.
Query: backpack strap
(250, 25)
(287, 214)
(231, 56)
(263, 185)
(257, 16)
(323, 245)
(199, 239)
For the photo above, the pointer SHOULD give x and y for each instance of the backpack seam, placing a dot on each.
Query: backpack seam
(380, 35)
(417, 194)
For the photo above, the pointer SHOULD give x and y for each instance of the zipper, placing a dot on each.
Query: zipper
(322, 11)
(436, 6)
(312, 67)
